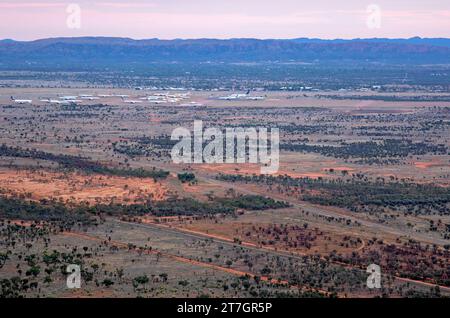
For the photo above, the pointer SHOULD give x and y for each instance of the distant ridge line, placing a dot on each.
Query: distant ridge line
(90, 52)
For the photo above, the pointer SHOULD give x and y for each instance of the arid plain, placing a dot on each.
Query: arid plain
(362, 180)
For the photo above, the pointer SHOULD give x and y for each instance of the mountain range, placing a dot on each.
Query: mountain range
(108, 52)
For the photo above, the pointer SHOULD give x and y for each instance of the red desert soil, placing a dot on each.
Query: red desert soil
(430, 164)
(340, 169)
(230, 230)
(184, 259)
(249, 169)
(81, 293)
(38, 185)
(155, 119)
(217, 267)
(359, 248)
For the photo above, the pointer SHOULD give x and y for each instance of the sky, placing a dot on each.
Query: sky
(169, 19)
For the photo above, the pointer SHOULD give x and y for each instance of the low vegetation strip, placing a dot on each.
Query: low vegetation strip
(44, 210)
(357, 193)
(217, 205)
(54, 211)
(189, 206)
(389, 148)
(390, 98)
(79, 163)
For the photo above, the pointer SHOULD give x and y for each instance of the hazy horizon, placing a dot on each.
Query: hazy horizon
(211, 38)
(175, 19)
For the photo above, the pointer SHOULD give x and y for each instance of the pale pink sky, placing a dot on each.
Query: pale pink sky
(168, 19)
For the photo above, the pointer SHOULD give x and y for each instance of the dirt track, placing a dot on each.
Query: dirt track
(298, 256)
(187, 260)
(329, 212)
